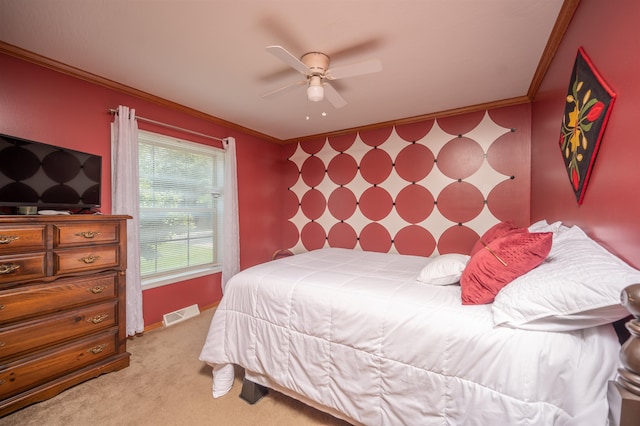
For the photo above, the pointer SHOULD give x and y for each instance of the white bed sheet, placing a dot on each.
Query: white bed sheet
(355, 332)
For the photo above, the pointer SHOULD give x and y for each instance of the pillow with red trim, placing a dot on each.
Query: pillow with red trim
(500, 262)
(496, 231)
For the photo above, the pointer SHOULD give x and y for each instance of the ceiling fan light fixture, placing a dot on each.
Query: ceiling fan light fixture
(315, 91)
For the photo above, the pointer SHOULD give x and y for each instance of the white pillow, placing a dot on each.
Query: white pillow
(544, 226)
(577, 286)
(444, 269)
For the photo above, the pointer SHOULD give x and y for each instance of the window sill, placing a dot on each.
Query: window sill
(153, 282)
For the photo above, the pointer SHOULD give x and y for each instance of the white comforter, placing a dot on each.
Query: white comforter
(354, 332)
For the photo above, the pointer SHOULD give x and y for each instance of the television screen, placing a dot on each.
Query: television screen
(47, 176)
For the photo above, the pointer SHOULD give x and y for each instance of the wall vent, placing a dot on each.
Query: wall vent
(180, 315)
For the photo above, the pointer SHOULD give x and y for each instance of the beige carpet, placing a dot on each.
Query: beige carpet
(165, 384)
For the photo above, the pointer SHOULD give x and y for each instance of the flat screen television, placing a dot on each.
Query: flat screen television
(47, 176)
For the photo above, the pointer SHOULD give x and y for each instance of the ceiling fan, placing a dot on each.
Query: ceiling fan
(315, 67)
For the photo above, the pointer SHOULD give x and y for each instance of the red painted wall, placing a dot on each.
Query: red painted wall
(46, 106)
(609, 33)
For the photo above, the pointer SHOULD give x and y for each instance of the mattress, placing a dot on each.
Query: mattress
(355, 332)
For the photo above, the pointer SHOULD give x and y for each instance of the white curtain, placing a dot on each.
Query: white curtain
(231, 227)
(125, 200)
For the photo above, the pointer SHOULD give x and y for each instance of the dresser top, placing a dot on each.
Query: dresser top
(59, 218)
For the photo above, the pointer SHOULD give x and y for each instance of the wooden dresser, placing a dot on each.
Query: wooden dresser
(62, 303)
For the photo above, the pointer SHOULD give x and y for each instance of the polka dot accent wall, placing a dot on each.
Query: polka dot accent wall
(424, 189)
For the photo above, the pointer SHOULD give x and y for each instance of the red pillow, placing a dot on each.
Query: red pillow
(496, 231)
(503, 260)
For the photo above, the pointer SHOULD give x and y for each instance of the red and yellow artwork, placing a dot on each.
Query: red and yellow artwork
(588, 107)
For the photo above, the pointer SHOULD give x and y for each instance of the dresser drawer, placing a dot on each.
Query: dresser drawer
(82, 234)
(56, 362)
(22, 267)
(85, 259)
(52, 329)
(22, 238)
(43, 298)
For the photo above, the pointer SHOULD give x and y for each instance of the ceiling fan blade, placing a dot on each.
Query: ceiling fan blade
(286, 57)
(333, 96)
(283, 89)
(360, 68)
(364, 47)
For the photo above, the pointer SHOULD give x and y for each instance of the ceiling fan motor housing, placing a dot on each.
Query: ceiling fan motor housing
(318, 63)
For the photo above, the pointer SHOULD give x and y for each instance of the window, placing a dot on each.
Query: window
(180, 209)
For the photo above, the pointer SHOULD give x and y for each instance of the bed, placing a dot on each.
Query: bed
(388, 339)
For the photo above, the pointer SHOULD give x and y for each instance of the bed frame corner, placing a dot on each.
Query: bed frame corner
(624, 393)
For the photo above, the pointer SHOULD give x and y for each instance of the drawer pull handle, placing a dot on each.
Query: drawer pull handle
(87, 234)
(8, 268)
(89, 259)
(2, 344)
(97, 289)
(2, 382)
(98, 318)
(8, 239)
(97, 349)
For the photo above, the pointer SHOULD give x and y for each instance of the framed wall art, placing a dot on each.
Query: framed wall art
(587, 109)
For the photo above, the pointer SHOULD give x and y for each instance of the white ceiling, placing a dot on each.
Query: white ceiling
(209, 55)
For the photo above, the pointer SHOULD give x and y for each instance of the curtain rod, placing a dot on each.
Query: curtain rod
(148, 120)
